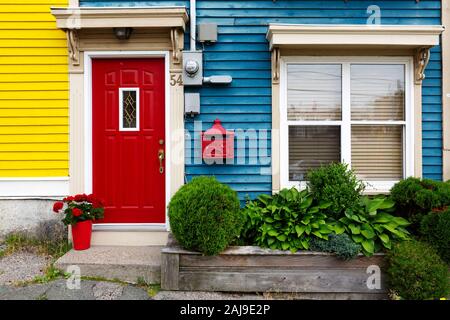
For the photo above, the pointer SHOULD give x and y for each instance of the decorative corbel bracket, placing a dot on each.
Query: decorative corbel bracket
(275, 65)
(421, 59)
(176, 37)
(72, 43)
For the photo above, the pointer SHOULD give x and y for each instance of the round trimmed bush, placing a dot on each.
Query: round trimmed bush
(435, 229)
(205, 215)
(416, 272)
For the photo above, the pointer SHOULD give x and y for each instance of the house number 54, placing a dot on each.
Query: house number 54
(176, 80)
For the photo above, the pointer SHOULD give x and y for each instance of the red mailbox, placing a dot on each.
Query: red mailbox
(217, 143)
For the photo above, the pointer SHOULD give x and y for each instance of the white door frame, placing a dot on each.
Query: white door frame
(88, 171)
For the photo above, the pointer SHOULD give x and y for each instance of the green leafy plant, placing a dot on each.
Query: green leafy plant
(340, 244)
(415, 197)
(371, 225)
(435, 229)
(335, 184)
(205, 215)
(416, 272)
(285, 221)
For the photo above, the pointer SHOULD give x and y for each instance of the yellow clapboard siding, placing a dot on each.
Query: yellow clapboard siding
(34, 107)
(36, 6)
(37, 147)
(19, 17)
(36, 121)
(48, 68)
(38, 156)
(33, 138)
(27, 25)
(32, 34)
(36, 52)
(36, 130)
(32, 86)
(34, 173)
(48, 164)
(61, 60)
(33, 77)
(10, 95)
(32, 43)
(8, 104)
(8, 113)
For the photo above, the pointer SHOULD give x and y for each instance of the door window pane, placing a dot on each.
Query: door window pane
(129, 109)
(377, 152)
(310, 147)
(314, 92)
(378, 92)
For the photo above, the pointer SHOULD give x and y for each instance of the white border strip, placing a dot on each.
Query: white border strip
(34, 187)
(88, 56)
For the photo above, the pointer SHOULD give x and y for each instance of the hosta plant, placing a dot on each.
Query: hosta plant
(372, 226)
(286, 221)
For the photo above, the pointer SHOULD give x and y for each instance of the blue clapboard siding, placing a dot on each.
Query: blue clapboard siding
(242, 52)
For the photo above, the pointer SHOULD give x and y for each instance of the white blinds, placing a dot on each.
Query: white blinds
(377, 152)
(310, 147)
(314, 91)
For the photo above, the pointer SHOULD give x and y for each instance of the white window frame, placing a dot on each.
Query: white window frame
(138, 107)
(346, 122)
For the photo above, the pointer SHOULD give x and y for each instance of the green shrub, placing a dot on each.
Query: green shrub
(340, 244)
(415, 198)
(371, 224)
(435, 229)
(416, 272)
(205, 215)
(285, 221)
(336, 184)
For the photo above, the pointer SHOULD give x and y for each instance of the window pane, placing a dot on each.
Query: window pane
(314, 92)
(377, 152)
(129, 109)
(310, 147)
(378, 92)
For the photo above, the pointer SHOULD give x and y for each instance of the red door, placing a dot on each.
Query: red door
(128, 139)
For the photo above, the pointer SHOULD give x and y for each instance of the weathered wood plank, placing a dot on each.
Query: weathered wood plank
(170, 268)
(294, 261)
(313, 281)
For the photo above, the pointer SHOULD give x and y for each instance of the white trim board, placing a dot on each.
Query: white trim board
(88, 56)
(409, 141)
(34, 187)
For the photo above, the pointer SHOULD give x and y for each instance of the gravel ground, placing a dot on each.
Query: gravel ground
(21, 266)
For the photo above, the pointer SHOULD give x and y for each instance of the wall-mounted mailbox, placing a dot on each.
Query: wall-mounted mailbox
(192, 104)
(217, 142)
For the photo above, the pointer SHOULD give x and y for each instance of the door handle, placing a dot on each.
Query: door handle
(161, 159)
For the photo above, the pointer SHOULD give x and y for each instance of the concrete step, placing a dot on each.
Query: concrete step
(126, 263)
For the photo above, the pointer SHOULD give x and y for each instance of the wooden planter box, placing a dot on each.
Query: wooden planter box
(253, 269)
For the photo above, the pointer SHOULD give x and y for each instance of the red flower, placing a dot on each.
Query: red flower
(91, 198)
(58, 206)
(77, 212)
(68, 199)
(80, 197)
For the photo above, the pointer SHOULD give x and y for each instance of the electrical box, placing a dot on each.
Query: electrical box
(207, 32)
(217, 143)
(192, 68)
(192, 104)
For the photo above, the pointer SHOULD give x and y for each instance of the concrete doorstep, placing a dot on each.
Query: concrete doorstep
(125, 263)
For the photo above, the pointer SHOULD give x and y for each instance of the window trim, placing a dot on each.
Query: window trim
(345, 122)
(138, 107)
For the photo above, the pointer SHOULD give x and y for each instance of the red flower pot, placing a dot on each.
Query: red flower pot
(81, 235)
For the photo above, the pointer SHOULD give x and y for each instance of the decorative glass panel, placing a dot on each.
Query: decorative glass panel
(314, 92)
(129, 109)
(377, 152)
(310, 147)
(378, 92)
